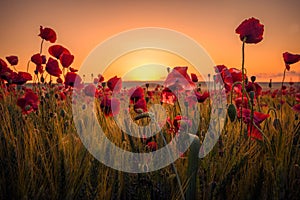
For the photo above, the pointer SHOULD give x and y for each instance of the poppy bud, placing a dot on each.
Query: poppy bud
(270, 83)
(62, 113)
(168, 70)
(246, 81)
(27, 107)
(231, 112)
(253, 78)
(42, 79)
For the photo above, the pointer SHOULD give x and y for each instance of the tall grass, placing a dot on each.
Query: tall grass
(42, 157)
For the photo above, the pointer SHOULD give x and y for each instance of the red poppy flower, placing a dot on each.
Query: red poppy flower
(180, 76)
(297, 97)
(274, 93)
(296, 108)
(62, 96)
(5, 72)
(255, 87)
(29, 102)
(96, 81)
(72, 79)
(114, 84)
(90, 90)
(239, 103)
(140, 106)
(52, 67)
(202, 97)
(21, 78)
(39, 69)
(59, 80)
(37, 59)
(290, 59)
(231, 76)
(73, 70)
(136, 94)
(219, 68)
(167, 96)
(101, 78)
(179, 121)
(251, 29)
(66, 59)
(258, 118)
(47, 34)
(110, 106)
(194, 77)
(57, 50)
(13, 60)
(152, 145)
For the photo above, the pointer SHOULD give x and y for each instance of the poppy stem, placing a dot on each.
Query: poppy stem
(41, 48)
(28, 65)
(282, 94)
(243, 81)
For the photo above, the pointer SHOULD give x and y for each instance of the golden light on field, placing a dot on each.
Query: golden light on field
(146, 64)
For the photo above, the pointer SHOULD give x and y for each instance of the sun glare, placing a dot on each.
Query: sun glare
(145, 65)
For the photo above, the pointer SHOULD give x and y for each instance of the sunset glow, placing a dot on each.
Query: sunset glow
(82, 26)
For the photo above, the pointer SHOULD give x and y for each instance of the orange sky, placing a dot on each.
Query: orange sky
(82, 25)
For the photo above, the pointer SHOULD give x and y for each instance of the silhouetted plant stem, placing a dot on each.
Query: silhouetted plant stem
(282, 94)
(243, 81)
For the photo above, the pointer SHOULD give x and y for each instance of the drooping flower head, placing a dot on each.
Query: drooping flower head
(290, 58)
